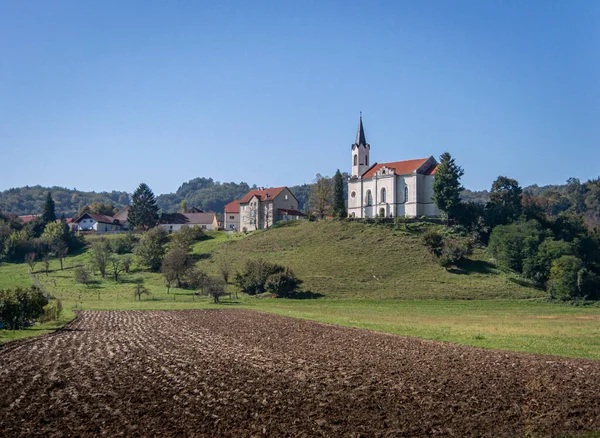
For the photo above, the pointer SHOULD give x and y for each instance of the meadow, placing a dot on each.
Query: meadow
(374, 277)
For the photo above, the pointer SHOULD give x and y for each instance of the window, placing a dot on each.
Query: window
(405, 194)
(244, 208)
(383, 195)
(353, 214)
(369, 198)
(286, 196)
(366, 160)
(355, 159)
(244, 218)
(231, 217)
(353, 195)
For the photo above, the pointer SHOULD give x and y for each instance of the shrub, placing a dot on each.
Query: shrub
(455, 250)
(512, 244)
(434, 242)
(123, 244)
(52, 311)
(537, 267)
(18, 306)
(196, 279)
(564, 274)
(214, 288)
(260, 276)
(283, 283)
(83, 276)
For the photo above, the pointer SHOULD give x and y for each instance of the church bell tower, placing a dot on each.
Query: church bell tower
(360, 152)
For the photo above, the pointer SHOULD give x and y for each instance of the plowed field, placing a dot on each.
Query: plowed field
(242, 373)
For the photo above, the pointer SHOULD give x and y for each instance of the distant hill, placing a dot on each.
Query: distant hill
(30, 200)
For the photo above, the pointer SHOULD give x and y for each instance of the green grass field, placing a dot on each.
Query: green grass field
(370, 277)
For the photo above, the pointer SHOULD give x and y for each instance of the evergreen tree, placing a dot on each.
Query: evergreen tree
(446, 185)
(144, 211)
(49, 215)
(339, 204)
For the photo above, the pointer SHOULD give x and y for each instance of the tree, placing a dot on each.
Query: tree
(177, 263)
(116, 265)
(49, 214)
(446, 185)
(225, 269)
(17, 306)
(563, 282)
(505, 201)
(143, 212)
(83, 276)
(151, 248)
(30, 259)
(339, 203)
(140, 290)
(46, 261)
(127, 261)
(214, 287)
(183, 207)
(101, 256)
(57, 237)
(320, 196)
(60, 248)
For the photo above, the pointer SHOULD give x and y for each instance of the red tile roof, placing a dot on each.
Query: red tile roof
(28, 218)
(399, 167)
(262, 194)
(233, 207)
(101, 218)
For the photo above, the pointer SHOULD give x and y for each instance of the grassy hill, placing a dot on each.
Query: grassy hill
(359, 261)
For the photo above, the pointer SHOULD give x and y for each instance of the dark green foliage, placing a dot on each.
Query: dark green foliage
(434, 242)
(339, 201)
(505, 202)
(143, 213)
(99, 208)
(49, 215)
(19, 306)
(260, 275)
(151, 250)
(537, 266)
(196, 279)
(186, 236)
(446, 185)
(283, 283)
(512, 244)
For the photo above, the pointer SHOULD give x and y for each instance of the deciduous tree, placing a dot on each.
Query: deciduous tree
(321, 195)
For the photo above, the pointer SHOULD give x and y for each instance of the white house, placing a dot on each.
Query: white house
(399, 188)
(98, 222)
(261, 208)
(172, 222)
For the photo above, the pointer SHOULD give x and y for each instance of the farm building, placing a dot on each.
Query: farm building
(172, 222)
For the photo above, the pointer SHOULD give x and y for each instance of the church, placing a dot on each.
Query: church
(399, 188)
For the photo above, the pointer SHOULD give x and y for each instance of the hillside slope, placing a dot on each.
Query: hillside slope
(359, 261)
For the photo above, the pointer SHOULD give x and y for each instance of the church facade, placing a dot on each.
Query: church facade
(399, 188)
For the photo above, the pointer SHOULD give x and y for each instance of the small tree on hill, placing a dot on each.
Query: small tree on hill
(320, 196)
(151, 248)
(446, 185)
(215, 288)
(143, 212)
(140, 290)
(339, 203)
(177, 263)
(101, 256)
(49, 214)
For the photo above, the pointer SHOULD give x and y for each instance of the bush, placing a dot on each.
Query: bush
(283, 283)
(434, 242)
(260, 276)
(214, 288)
(512, 244)
(19, 306)
(124, 244)
(83, 276)
(52, 311)
(564, 274)
(537, 267)
(455, 250)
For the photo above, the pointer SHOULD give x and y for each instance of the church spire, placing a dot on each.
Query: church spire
(360, 135)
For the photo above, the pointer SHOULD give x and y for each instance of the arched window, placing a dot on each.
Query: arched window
(356, 160)
(383, 200)
(369, 198)
(405, 194)
(366, 160)
(353, 214)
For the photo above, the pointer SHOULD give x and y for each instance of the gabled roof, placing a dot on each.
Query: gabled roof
(262, 194)
(405, 167)
(123, 214)
(432, 170)
(233, 207)
(187, 218)
(101, 218)
(98, 218)
(28, 217)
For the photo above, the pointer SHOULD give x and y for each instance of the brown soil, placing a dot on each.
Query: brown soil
(242, 373)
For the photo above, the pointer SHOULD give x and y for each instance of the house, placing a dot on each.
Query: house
(99, 223)
(399, 188)
(122, 217)
(172, 222)
(261, 208)
(232, 216)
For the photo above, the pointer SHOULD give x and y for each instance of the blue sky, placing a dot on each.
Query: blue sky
(102, 95)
